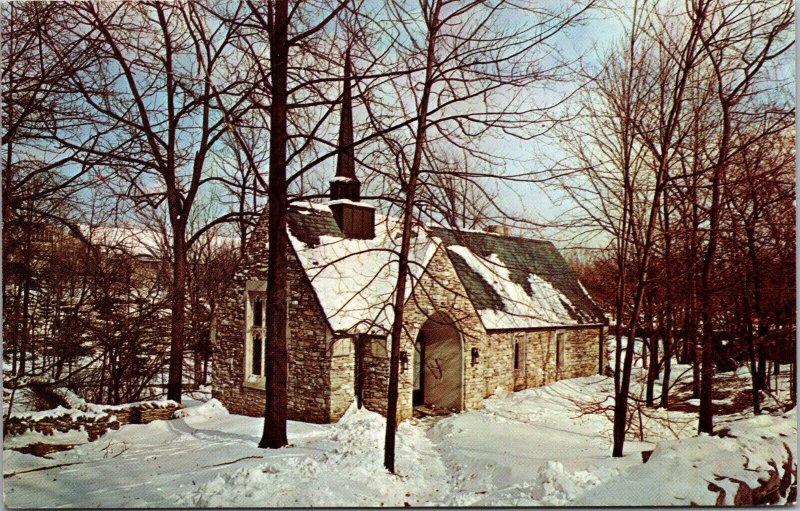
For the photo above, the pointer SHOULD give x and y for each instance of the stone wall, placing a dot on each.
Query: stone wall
(95, 427)
(342, 377)
(440, 291)
(95, 424)
(375, 371)
(581, 355)
(540, 358)
(498, 360)
(309, 385)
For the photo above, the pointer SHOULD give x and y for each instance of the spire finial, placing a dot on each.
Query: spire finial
(345, 166)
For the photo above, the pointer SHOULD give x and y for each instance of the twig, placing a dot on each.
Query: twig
(234, 461)
(6, 476)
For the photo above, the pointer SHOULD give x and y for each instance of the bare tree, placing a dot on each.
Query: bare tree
(160, 121)
(450, 195)
(694, 64)
(41, 177)
(285, 31)
(461, 66)
(739, 40)
(761, 182)
(609, 160)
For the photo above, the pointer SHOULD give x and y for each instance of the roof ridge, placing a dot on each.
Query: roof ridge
(493, 235)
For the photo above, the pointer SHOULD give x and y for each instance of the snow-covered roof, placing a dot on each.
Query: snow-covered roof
(513, 282)
(516, 282)
(139, 241)
(354, 279)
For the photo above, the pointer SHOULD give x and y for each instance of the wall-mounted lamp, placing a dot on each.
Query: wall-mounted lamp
(404, 360)
(475, 356)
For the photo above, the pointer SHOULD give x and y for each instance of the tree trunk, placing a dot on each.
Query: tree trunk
(198, 367)
(652, 373)
(761, 372)
(101, 385)
(175, 383)
(402, 264)
(668, 312)
(793, 382)
(397, 331)
(7, 215)
(621, 398)
(756, 390)
(25, 337)
(706, 424)
(645, 345)
(276, 381)
(750, 339)
(359, 371)
(692, 326)
(664, 402)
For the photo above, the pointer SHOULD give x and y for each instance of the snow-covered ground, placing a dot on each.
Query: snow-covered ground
(535, 447)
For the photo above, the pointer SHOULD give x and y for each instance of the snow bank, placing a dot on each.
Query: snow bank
(71, 437)
(552, 485)
(24, 400)
(88, 421)
(210, 409)
(78, 403)
(341, 467)
(527, 448)
(691, 471)
(58, 412)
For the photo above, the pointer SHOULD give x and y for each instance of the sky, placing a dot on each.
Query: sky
(545, 204)
(541, 204)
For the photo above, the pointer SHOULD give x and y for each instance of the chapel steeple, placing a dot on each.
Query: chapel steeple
(355, 218)
(346, 185)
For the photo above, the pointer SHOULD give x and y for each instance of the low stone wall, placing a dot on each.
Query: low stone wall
(143, 413)
(95, 424)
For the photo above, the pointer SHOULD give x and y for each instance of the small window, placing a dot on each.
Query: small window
(516, 354)
(560, 341)
(257, 355)
(255, 314)
(258, 311)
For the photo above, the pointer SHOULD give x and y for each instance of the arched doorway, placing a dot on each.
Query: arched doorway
(438, 365)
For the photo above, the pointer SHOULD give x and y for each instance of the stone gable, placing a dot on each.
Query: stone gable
(309, 344)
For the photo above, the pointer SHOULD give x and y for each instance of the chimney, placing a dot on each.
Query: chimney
(356, 220)
(500, 230)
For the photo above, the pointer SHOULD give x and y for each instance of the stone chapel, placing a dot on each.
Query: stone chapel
(484, 311)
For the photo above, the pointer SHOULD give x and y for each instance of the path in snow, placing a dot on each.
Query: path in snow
(526, 448)
(529, 448)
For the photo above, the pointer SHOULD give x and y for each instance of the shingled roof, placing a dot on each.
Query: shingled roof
(516, 282)
(513, 282)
